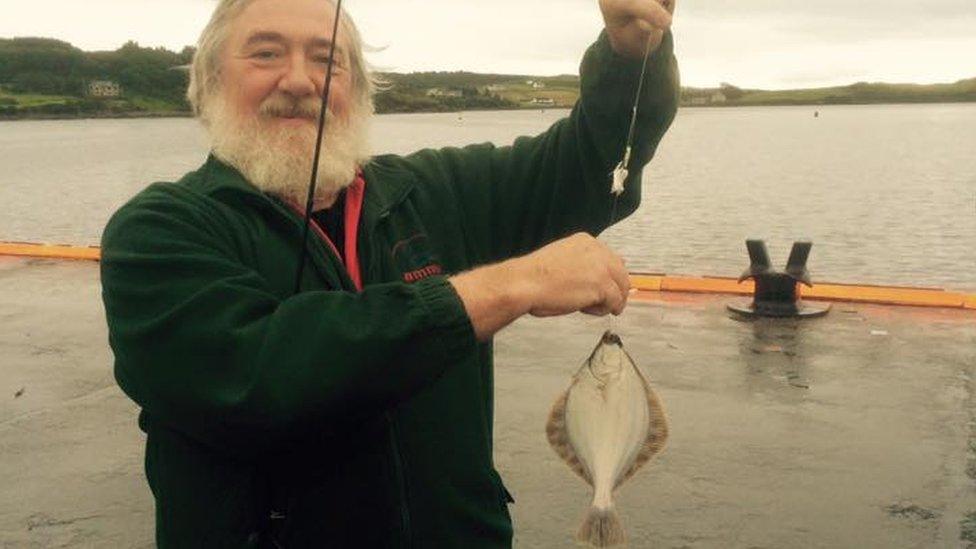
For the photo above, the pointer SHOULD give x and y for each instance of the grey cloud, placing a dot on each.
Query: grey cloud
(909, 11)
(859, 30)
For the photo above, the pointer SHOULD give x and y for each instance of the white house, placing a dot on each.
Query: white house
(441, 92)
(104, 88)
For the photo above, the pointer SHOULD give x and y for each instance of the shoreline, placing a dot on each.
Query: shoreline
(98, 116)
(188, 114)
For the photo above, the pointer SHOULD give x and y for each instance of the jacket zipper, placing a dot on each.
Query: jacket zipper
(401, 482)
(325, 247)
(405, 529)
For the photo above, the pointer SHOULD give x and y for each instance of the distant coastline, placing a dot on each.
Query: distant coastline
(46, 79)
(465, 92)
(189, 114)
(97, 116)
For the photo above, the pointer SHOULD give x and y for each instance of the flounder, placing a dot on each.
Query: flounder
(606, 426)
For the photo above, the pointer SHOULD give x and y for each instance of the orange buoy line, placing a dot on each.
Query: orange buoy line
(645, 283)
(50, 251)
(856, 293)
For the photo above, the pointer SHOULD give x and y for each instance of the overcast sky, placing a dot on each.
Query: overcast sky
(750, 43)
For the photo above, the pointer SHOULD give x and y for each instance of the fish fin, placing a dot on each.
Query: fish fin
(657, 434)
(559, 438)
(601, 528)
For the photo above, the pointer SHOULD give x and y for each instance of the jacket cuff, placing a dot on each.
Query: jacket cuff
(448, 319)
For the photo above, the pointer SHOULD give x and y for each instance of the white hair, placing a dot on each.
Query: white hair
(206, 67)
(278, 161)
(273, 159)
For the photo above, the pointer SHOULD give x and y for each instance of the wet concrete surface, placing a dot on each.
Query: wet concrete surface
(70, 452)
(855, 430)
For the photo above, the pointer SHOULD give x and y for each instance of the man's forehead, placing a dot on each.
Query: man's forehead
(263, 35)
(293, 21)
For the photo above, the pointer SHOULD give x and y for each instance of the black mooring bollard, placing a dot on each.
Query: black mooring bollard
(777, 293)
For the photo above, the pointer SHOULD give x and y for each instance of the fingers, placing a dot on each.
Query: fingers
(577, 273)
(615, 289)
(652, 12)
(596, 311)
(613, 282)
(615, 298)
(636, 28)
(621, 280)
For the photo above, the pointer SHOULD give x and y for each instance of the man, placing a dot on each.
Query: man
(357, 412)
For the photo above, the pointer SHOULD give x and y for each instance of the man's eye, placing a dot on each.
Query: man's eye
(265, 55)
(324, 60)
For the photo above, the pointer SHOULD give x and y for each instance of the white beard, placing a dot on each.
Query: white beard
(278, 160)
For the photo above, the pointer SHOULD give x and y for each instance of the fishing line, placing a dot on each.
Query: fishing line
(318, 149)
(622, 170)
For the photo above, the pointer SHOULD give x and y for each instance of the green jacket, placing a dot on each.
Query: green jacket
(331, 417)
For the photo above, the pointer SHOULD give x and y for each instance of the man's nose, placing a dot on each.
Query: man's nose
(298, 80)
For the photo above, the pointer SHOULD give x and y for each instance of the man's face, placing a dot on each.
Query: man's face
(274, 63)
(263, 117)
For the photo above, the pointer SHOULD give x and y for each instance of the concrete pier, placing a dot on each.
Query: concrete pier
(855, 430)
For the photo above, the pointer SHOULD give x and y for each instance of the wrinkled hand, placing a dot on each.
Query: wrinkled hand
(631, 24)
(577, 273)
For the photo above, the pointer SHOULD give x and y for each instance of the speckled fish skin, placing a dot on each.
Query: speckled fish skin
(606, 426)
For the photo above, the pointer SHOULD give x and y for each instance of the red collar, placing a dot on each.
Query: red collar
(353, 213)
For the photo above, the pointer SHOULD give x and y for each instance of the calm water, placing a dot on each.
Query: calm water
(887, 193)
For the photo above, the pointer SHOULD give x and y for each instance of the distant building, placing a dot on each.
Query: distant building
(104, 88)
(542, 101)
(441, 92)
(704, 97)
(492, 88)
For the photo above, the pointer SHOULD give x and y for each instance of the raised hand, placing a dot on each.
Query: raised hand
(631, 24)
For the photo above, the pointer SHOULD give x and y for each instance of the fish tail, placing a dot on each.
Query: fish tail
(601, 528)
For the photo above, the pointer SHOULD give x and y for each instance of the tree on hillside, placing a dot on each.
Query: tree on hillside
(41, 65)
(44, 66)
(186, 55)
(732, 93)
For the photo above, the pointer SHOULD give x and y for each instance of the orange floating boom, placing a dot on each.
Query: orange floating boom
(645, 283)
(882, 295)
(50, 251)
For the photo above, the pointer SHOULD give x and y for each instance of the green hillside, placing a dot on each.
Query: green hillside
(42, 77)
(864, 92)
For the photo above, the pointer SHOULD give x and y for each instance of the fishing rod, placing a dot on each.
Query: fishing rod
(303, 252)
